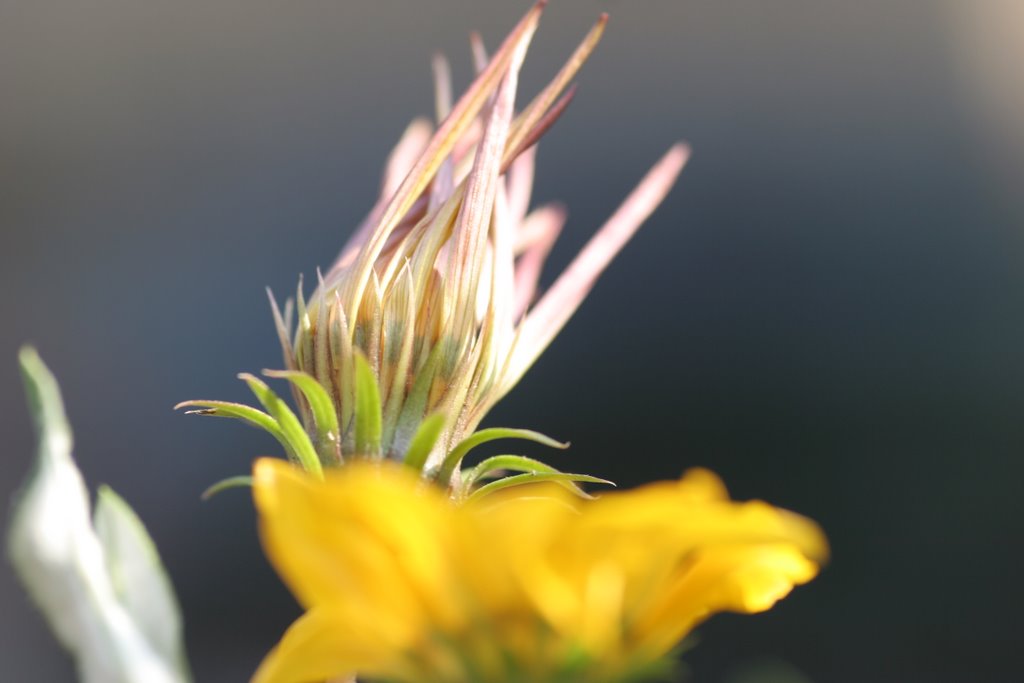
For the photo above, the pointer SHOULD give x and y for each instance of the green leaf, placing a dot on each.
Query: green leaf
(455, 456)
(138, 576)
(324, 414)
(295, 436)
(105, 595)
(562, 478)
(368, 418)
(240, 481)
(423, 441)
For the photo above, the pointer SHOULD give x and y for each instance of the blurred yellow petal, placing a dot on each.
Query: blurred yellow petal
(680, 552)
(533, 524)
(334, 641)
(378, 538)
(403, 584)
(738, 578)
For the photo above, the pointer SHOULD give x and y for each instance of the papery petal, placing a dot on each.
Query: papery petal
(523, 126)
(474, 219)
(444, 181)
(447, 135)
(409, 148)
(558, 304)
(537, 236)
(520, 185)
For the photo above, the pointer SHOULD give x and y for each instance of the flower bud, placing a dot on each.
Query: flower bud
(435, 288)
(428, 316)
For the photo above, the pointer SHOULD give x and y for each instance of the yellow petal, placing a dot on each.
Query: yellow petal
(371, 536)
(531, 523)
(690, 514)
(739, 578)
(335, 641)
(403, 585)
(645, 566)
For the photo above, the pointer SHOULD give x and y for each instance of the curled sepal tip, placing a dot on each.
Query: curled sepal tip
(240, 481)
(530, 471)
(454, 457)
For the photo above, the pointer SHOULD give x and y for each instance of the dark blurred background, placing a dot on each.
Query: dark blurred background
(828, 311)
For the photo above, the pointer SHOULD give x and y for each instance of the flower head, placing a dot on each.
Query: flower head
(402, 585)
(434, 293)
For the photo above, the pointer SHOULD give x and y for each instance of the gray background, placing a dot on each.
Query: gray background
(827, 311)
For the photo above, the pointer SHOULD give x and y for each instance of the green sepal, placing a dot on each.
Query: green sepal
(516, 463)
(455, 456)
(326, 418)
(561, 478)
(241, 481)
(423, 441)
(298, 441)
(239, 411)
(415, 404)
(368, 417)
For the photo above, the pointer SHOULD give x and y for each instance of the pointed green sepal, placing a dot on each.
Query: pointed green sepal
(320, 403)
(241, 481)
(411, 417)
(496, 465)
(423, 441)
(298, 441)
(247, 414)
(368, 417)
(251, 416)
(562, 478)
(455, 456)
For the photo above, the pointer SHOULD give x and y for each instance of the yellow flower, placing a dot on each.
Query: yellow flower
(402, 585)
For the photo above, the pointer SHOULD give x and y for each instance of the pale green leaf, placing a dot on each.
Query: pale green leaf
(89, 591)
(138, 576)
